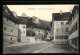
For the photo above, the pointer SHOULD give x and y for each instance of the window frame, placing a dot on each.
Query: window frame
(11, 30)
(5, 28)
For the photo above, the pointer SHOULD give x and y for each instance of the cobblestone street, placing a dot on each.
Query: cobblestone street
(44, 47)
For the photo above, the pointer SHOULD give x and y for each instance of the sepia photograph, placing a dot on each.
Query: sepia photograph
(50, 28)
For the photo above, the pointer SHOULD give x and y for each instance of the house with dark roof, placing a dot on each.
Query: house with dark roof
(60, 27)
(74, 28)
(10, 26)
(22, 28)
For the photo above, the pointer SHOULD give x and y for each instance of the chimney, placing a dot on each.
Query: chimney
(60, 11)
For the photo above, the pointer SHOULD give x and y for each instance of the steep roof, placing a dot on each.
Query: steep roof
(63, 16)
(7, 13)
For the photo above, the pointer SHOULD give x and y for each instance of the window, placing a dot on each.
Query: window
(11, 30)
(66, 22)
(23, 26)
(72, 41)
(57, 30)
(23, 32)
(7, 19)
(62, 23)
(59, 37)
(4, 28)
(65, 37)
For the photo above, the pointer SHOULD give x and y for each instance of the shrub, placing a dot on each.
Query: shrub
(30, 33)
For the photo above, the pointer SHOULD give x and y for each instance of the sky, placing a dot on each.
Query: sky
(43, 12)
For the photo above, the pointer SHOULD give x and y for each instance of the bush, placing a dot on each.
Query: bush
(30, 33)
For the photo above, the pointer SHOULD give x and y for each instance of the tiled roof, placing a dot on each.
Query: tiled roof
(63, 16)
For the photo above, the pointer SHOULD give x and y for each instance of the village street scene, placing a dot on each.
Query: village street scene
(40, 29)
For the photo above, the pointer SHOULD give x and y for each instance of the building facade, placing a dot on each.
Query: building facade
(10, 26)
(22, 28)
(60, 27)
(74, 28)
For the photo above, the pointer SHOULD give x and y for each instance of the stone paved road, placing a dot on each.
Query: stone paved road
(24, 48)
(46, 47)
(57, 49)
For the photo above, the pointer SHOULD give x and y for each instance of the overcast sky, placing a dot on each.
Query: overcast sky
(43, 12)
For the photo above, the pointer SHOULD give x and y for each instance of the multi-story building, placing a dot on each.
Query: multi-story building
(74, 27)
(22, 29)
(23, 36)
(60, 27)
(10, 26)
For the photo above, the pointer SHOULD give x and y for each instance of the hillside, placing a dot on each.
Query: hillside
(29, 21)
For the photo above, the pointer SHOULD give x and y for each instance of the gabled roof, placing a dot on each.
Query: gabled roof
(63, 16)
(7, 13)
